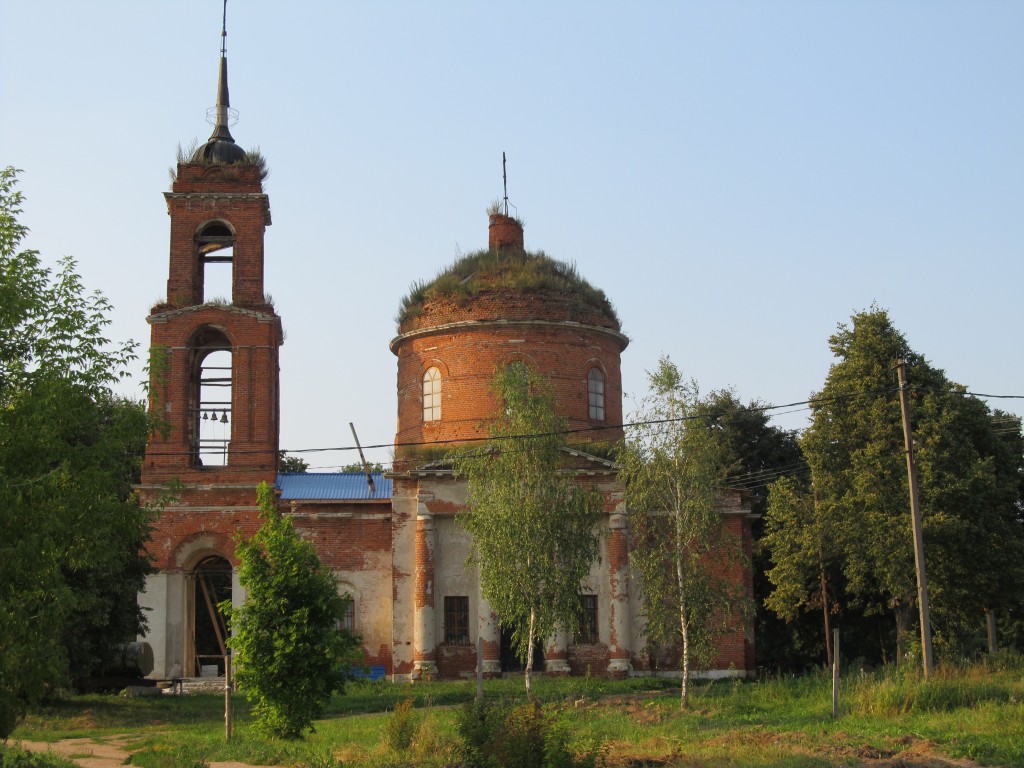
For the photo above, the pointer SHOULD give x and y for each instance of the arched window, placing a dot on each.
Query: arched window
(595, 394)
(432, 395)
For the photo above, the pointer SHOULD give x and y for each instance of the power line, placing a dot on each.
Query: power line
(798, 405)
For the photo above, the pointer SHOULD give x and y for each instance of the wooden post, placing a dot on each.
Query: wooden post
(479, 668)
(835, 674)
(227, 697)
(915, 517)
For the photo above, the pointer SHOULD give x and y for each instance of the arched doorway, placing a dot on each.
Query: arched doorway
(211, 586)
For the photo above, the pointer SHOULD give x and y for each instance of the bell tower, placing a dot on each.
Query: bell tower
(215, 342)
(215, 358)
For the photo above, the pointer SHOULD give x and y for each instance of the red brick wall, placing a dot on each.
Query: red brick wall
(234, 195)
(589, 660)
(468, 358)
(455, 660)
(203, 193)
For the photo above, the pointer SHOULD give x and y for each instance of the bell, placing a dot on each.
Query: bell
(205, 416)
(224, 418)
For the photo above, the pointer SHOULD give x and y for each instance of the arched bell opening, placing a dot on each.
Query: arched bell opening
(211, 397)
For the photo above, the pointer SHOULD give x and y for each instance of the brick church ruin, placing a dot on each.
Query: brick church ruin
(396, 547)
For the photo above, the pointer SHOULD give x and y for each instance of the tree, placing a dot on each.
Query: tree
(754, 454)
(672, 469)
(358, 466)
(291, 654)
(803, 553)
(292, 463)
(69, 451)
(534, 529)
(968, 493)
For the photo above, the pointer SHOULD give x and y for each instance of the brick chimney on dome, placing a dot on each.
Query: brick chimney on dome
(504, 233)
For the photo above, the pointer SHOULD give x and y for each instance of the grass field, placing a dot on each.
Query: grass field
(892, 719)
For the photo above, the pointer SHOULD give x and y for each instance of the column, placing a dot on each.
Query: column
(424, 641)
(556, 654)
(618, 597)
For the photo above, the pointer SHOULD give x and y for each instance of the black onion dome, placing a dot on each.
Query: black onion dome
(219, 152)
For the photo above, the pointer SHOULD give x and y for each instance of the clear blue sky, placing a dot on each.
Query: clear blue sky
(738, 176)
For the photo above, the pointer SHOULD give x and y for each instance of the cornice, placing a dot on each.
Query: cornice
(397, 341)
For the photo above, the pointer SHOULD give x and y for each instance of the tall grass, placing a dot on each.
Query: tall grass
(973, 712)
(505, 269)
(899, 692)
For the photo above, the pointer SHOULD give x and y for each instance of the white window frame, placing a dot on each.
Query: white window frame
(595, 394)
(432, 394)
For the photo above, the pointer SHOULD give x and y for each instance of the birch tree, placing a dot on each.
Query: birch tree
(671, 468)
(534, 528)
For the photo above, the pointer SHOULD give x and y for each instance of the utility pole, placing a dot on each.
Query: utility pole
(915, 516)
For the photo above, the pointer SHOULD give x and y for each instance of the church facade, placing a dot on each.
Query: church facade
(393, 539)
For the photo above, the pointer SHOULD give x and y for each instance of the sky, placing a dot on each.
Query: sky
(739, 177)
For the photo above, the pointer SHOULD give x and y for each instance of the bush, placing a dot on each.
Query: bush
(526, 736)
(402, 727)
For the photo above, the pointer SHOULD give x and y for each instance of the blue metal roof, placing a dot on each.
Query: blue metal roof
(324, 486)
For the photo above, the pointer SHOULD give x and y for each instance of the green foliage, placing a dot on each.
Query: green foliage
(70, 528)
(755, 453)
(291, 657)
(968, 476)
(796, 540)
(12, 757)
(357, 466)
(778, 722)
(534, 529)
(292, 463)
(504, 269)
(523, 736)
(899, 692)
(672, 467)
(403, 725)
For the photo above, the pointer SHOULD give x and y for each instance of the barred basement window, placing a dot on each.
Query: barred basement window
(432, 395)
(595, 393)
(456, 620)
(588, 620)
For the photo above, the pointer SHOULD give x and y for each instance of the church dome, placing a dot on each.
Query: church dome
(488, 309)
(219, 151)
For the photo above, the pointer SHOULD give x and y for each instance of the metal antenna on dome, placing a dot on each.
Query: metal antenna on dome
(504, 175)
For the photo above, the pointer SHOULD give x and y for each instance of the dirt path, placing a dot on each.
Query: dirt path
(112, 752)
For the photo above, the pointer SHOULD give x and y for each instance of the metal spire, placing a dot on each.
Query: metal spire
(221, 146)
(220, 129)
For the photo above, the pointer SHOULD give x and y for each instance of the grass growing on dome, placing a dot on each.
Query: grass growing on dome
(505, 269)
(185, 155)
